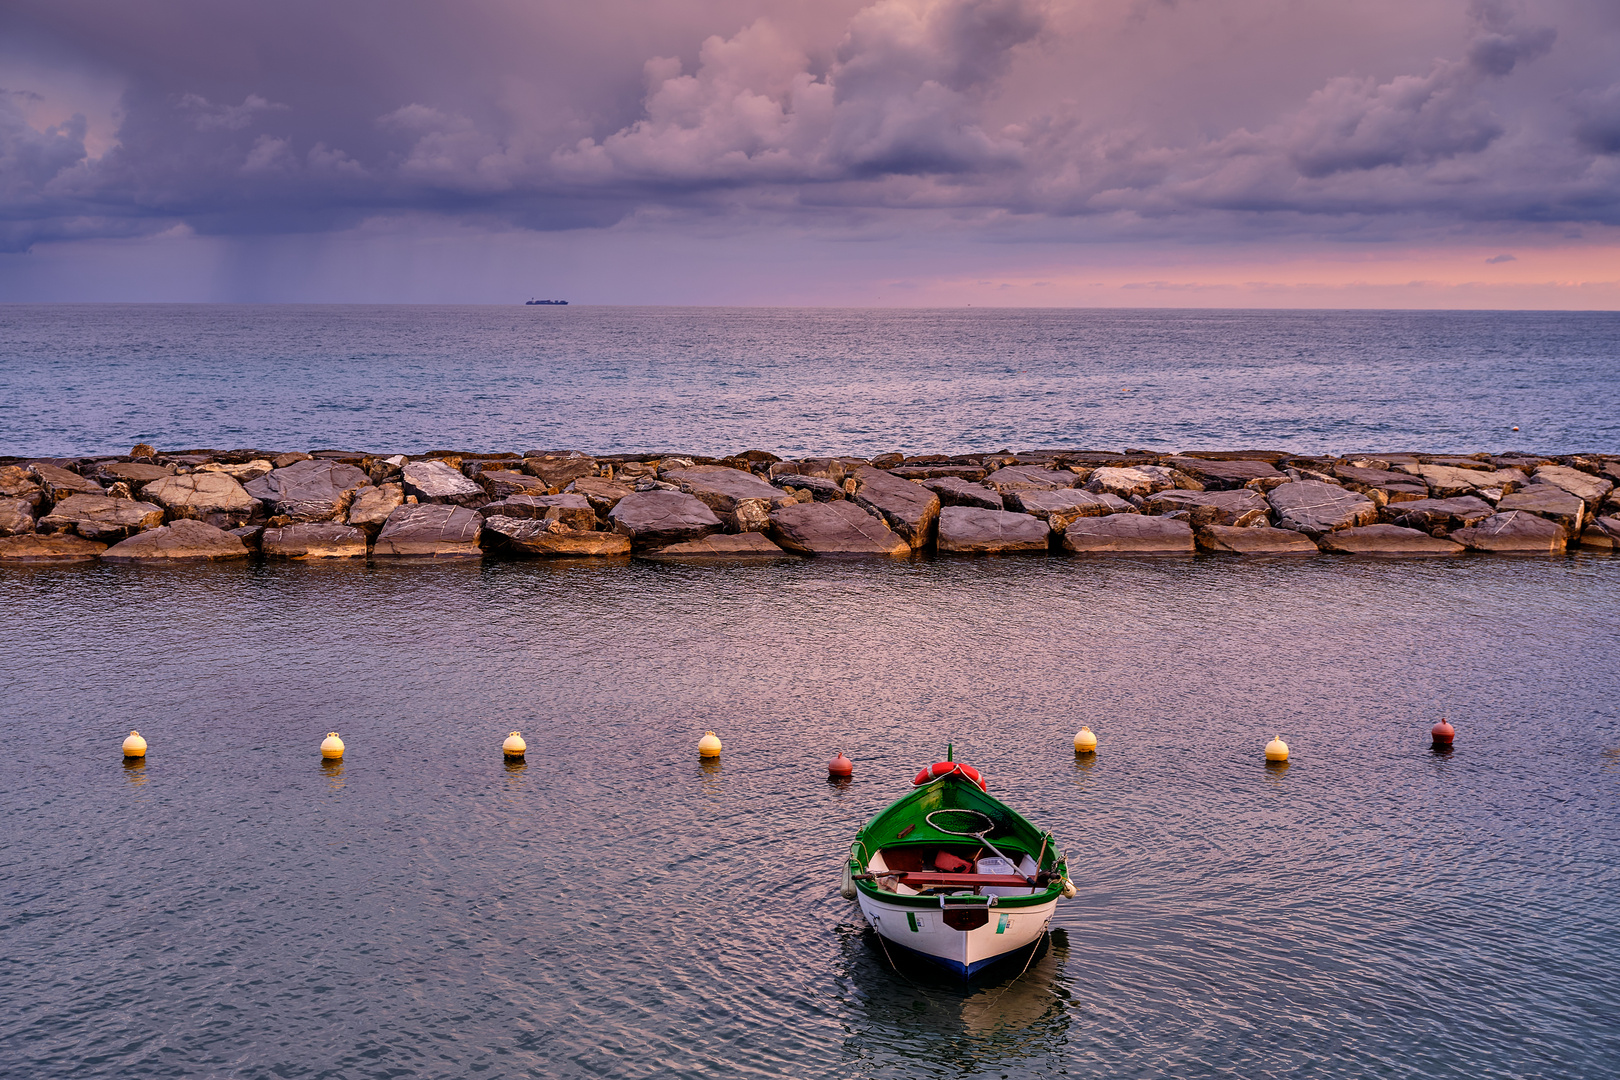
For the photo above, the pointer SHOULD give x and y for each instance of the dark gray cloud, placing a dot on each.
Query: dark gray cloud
(309, 117)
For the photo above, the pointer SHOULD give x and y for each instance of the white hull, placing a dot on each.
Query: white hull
(923, 931)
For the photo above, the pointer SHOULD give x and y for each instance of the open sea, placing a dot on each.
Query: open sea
(614, 908)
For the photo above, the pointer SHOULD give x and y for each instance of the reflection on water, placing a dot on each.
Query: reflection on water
(135, 770)
(616, 907)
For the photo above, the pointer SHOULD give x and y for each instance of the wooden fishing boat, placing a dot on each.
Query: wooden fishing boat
(953, 875)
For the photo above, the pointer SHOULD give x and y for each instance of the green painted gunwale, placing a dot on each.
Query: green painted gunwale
(1014, 834)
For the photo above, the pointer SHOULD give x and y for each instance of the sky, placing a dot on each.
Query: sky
(1157, 153)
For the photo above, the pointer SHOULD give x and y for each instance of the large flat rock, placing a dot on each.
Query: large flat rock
(1254, 540)
(371, 505)
(1128, 534)
(910, 509)
(660, 518)
(1514, 533)
(834, 528)
(1239, 506)
(314, 540)
(570, 508)
(1584, 486)
(429, 531)
(97, 517)
(1138, 480)
(60, 548)
(1551, 502)
(1313, 507)
(1431, 514)
(1030, 478)
(955, 491)
(1387, 539)
(741, 500)
(433, 481)
(1059, 506)
(1222, 475)
(58, 483)
(184, 540)
(551, 538)
(133, 473)
(969, 530)
(312, 490)
(206, 496)
(748, 545)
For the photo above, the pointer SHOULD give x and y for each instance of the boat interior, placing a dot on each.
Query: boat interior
(951, 869)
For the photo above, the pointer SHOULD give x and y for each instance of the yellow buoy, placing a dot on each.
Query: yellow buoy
(134, 745)
(514, 746)
(331, 746)
(709, 745)
(1277, 750)
(1085, 742)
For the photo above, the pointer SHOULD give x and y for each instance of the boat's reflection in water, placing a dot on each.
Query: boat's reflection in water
(914, 1019)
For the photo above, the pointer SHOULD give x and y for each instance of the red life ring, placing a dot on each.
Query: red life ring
(945, 768)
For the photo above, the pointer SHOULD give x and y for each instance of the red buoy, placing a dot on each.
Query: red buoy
(1442, 733)
(840, 766)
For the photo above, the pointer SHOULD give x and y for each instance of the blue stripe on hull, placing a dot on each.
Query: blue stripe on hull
(956, 967)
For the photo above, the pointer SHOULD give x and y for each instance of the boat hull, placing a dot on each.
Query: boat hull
(924, 932)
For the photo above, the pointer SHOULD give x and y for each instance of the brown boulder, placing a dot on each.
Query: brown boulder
(969, 473)
(16, 517)
(503, 483)
(1227, 507)
(1030, 478)
(1254, 540)
(660, 518)
(560, 469)
(739, 499)
(1060, 506)
(16, 484)
(429, 531)
(133, 473)
(1588, 488)
(1514, 533)
(185, 540)
(602, 494)
(58, 483)
(1444, 514)
(1313, 507)
(834, 528)
(212, 497)
(748, 545)
(570, 508)
(1221, 475)
(1128, 534)
(551, 538)
(1387, 539)
(1551, 502)
(370, 507)
(955, 491)
(1603, 534)
(60, 548)
(1138, 480)
(820, 488)
(314, 490)
(97, 517)
(968, 530)
(314, 540)
(910, 509)
(434, 481)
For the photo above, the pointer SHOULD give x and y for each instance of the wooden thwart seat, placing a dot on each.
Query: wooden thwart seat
(962, 881)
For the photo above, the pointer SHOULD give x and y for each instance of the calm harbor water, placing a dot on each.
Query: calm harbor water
(613, 908)
(80, 379)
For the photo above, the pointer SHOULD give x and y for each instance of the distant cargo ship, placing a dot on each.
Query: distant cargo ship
(528, 302)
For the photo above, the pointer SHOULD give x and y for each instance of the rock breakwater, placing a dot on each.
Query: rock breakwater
(151, 506)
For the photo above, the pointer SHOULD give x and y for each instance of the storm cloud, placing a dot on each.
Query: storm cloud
(1113, 119)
